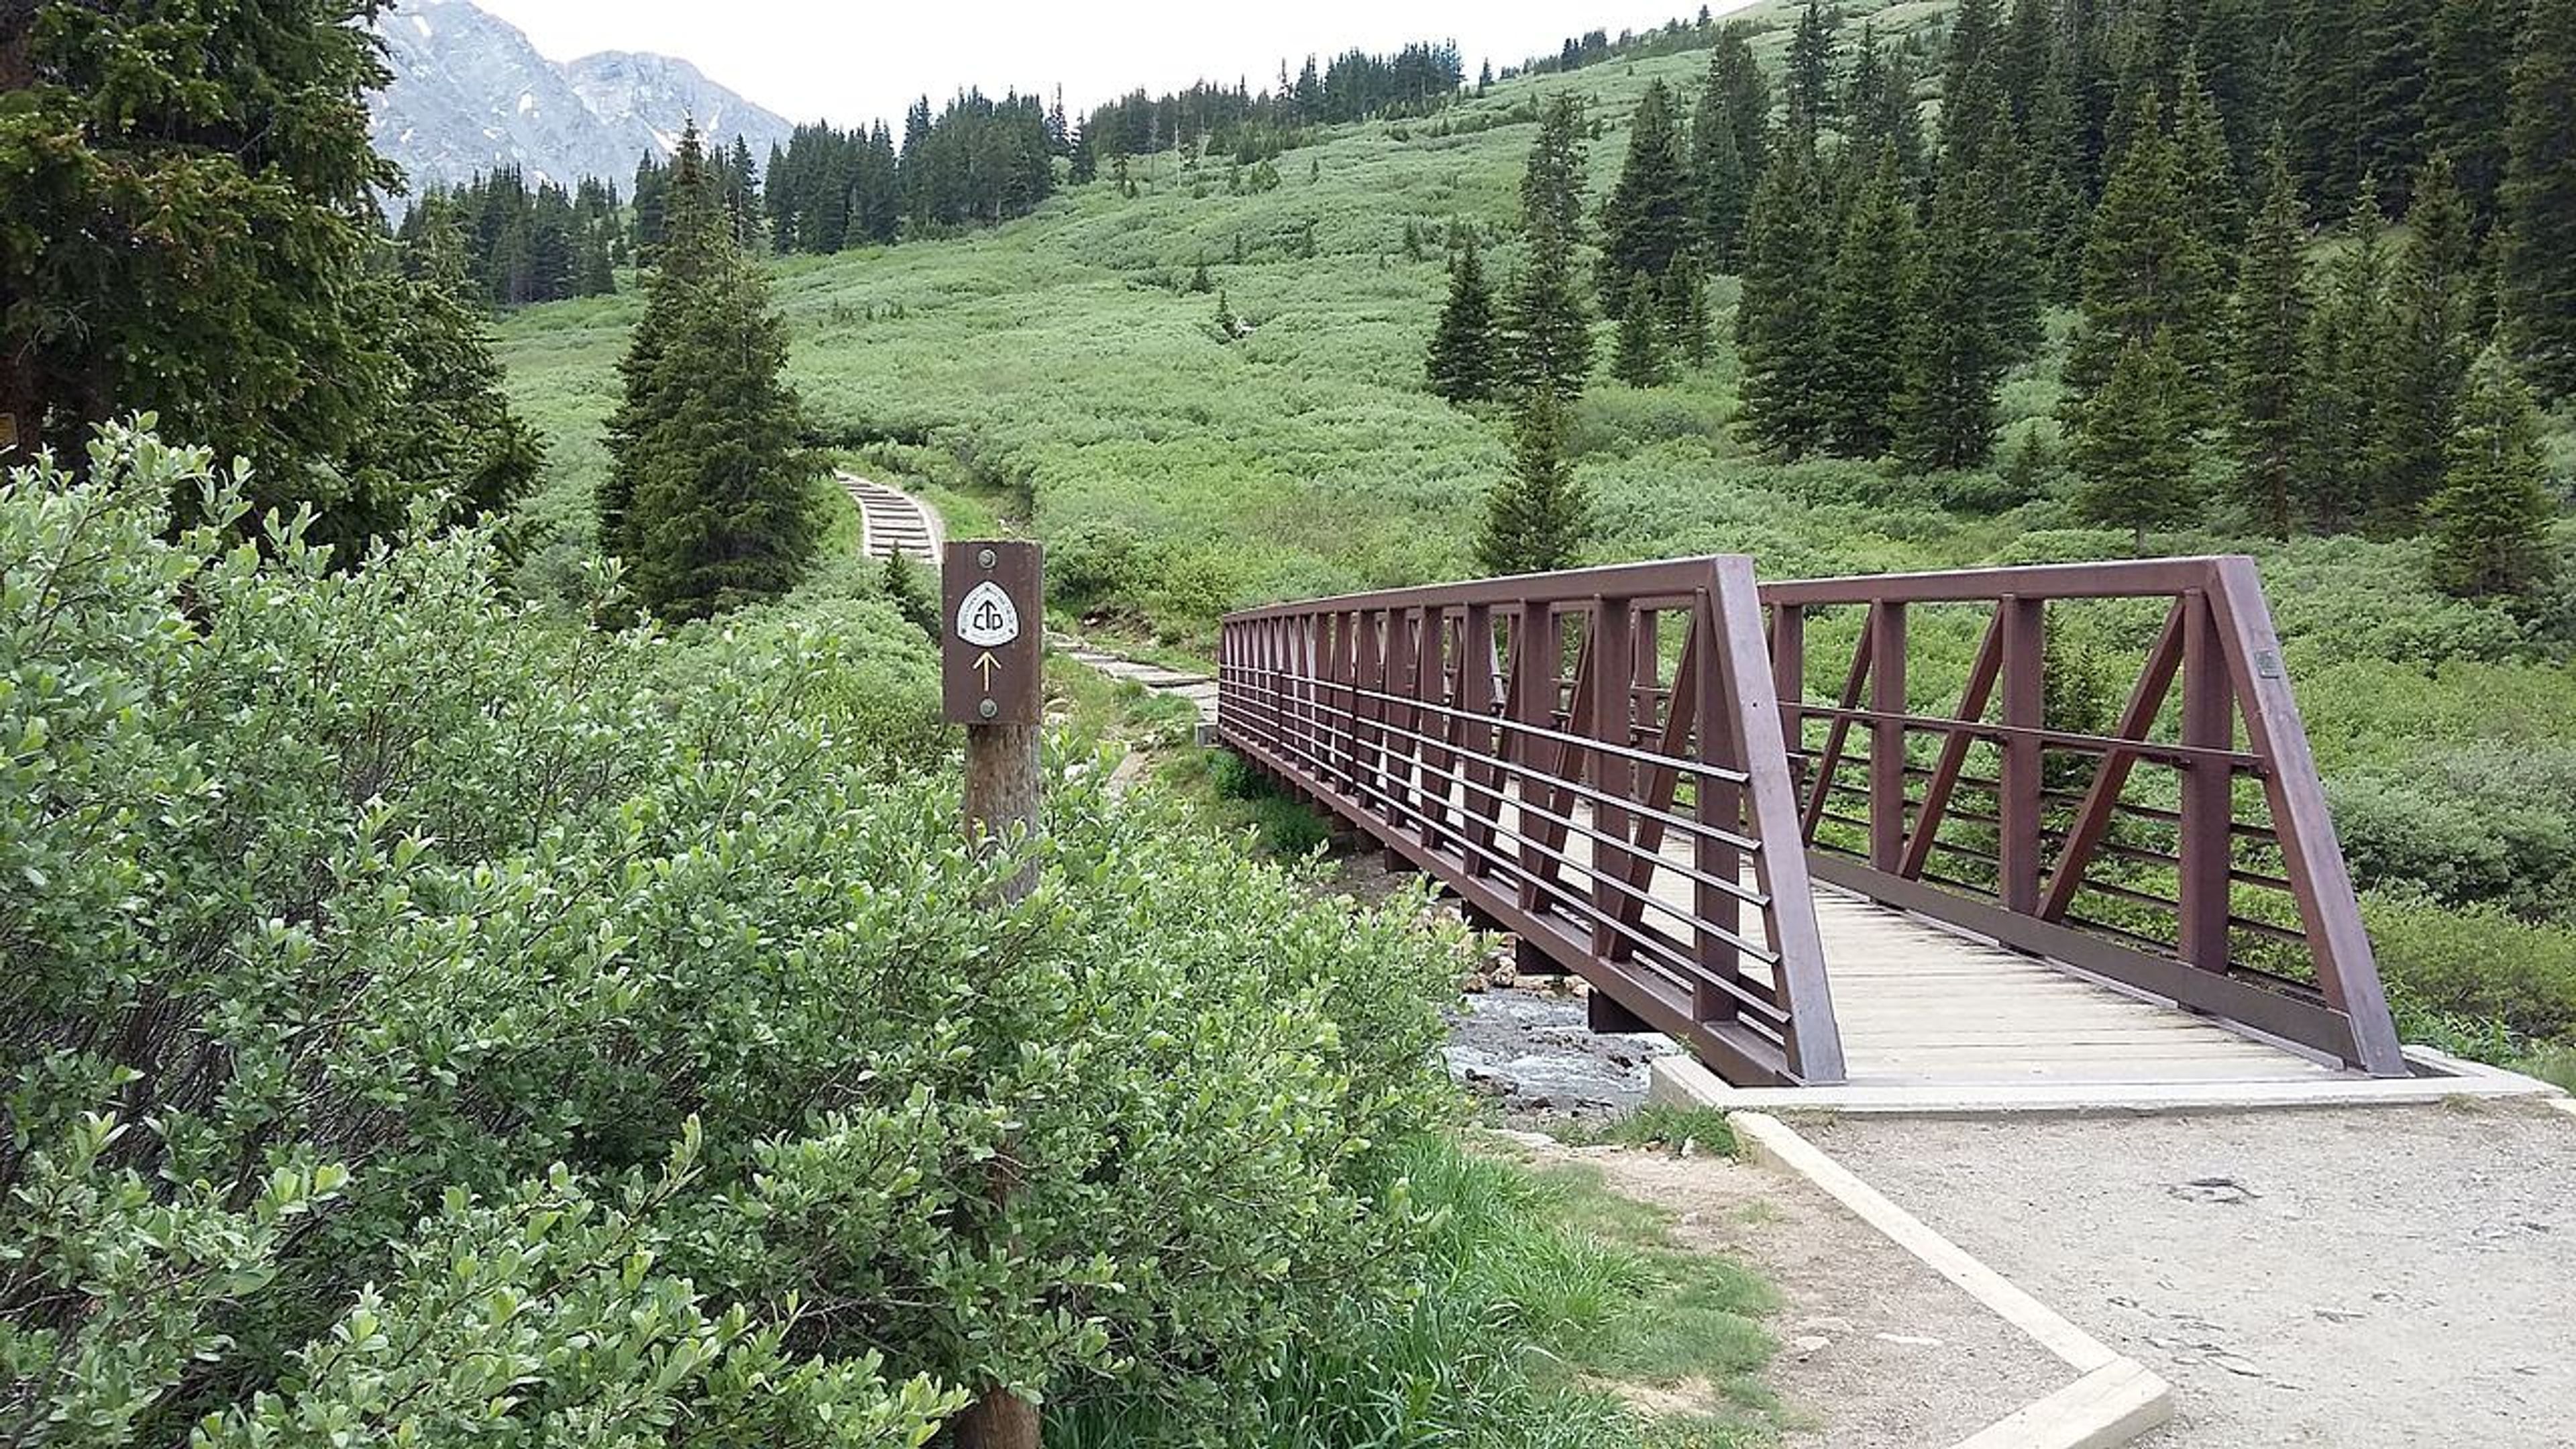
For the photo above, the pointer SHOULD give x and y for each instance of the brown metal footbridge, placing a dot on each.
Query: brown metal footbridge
(1861, 830)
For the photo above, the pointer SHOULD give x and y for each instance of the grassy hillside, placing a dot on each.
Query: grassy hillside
(1059, 372)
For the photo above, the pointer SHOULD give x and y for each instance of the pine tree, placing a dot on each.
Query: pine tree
(1547, 333)
(2267, 332)
(1535, 519)
(2491, 519)
(1779, 320)
(1972, 43)
(2396, 37)
(1552, 183)
(1956, 342)
(1811, 70)
(1646, 222)
(2134, 453)
(1866, 296)
(2424, 353)
(2146, 273)
(2206, 171)
(1721, 184)
(2324, 104)
(709, 498)
(188, 202)
(1638, 359)
(2332, 463)
(1736, 76)
(1683, 306)
(2465, 111)
(1461, 364)
(2539, 200)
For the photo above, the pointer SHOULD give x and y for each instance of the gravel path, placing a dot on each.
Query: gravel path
(2352, 1278)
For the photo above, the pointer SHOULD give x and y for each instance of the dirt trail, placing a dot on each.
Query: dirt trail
(2348, 1278)
(1878, 1351)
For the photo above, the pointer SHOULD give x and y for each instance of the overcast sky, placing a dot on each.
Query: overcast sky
(851, 61)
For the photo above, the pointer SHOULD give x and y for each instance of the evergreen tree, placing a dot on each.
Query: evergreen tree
(1779, 320)
(1721, 183)
(1683, 304)
(1536, 519)
(2465, 111)
(2539, 199)
(723, 511)
(2332, 461)
(1546, 329)
(1811, 70)
(1736, 77)
(1646, 223)
(2018, 286)
(2268, 330)
(2324, 105)
(1461, 364)
(2424, 353)
(2134, 453)
(2146, 273)
(742, 196)
(1957, 343)
(1547, 332)
(1972, 43)
(2396, 38)
(1866, 296)
(2492, 517)
(188, 203)
(1638, 359)
(709, 497)
(2206, 171)
(1552, 183)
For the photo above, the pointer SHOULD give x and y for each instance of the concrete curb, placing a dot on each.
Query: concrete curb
(1680, 1081)
(2114, 1398)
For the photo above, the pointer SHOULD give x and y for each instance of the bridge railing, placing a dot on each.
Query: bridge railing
(1591, 760)
(2183, 848)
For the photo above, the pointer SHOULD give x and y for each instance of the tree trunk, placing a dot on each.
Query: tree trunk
(998, 1420)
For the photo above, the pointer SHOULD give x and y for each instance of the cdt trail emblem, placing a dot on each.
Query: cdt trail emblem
(987, 619)
(993, 659)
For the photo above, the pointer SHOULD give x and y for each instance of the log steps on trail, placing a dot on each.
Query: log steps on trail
(892, 522)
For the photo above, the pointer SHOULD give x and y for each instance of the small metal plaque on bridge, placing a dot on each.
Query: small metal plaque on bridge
(994, 594)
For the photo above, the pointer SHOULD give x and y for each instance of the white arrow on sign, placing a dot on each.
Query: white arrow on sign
(986, 617)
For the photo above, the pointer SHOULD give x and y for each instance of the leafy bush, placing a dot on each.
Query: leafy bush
(431, 1022)
(2470, 825)
(2477, 964)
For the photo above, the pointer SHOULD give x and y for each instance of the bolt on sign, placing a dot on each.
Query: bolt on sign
(989, 655)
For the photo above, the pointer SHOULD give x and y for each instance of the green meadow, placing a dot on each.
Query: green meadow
(1062, 376)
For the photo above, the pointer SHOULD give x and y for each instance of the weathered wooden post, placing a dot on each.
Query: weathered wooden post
(990, 656)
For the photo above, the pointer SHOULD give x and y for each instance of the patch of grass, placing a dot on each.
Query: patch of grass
(1659, 1125)
(2555, 1065)
(1544, 1290)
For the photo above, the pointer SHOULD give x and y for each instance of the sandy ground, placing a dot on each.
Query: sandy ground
(1877, 1352)
(2354, 1278)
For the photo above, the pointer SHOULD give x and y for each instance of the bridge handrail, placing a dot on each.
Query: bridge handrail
(2219, 645)
(1438, 720)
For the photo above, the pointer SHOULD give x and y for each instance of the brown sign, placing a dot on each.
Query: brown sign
(992, 645)
(8, 431)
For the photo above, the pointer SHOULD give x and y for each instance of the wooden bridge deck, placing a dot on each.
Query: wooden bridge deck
(1921, 1004)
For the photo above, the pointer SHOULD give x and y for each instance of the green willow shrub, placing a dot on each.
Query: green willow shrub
(430, 1022)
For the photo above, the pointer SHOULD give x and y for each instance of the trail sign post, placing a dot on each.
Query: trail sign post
(990, 649)
(989, 654)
